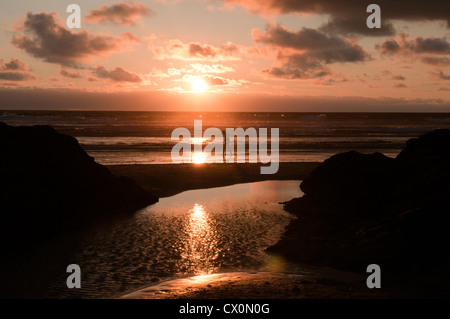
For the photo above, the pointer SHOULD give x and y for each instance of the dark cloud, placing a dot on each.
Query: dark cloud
(121, 13)
(14, 64)
(402, 44)
(16, 76)
(316, 49)
(428, 45)
(356, 26)
(176, 49)
(318, 45)
(71, 75)
(46, 38)
(438, 61)
(443, 76)
(207, 51)
(350, 16)
(15, 70)
(433, 51)
(292, 71)
(398, 77)
(198, 50)
(117, 75)
(389, 46)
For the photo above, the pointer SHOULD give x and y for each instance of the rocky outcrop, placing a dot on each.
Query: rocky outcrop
(48, 184)
(360, 209)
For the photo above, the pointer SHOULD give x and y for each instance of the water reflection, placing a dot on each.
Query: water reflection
(199, 244)
(196, 232)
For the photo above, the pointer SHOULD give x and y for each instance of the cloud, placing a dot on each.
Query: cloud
(349, 16)
(196, 68)
(122, 13)
(214, 68)
(419, 45)
(389, 46)
(429, 45)
(356, 26)
(298, 68)
(46, 38)
(392, 76)
(16, 76)
(52, 99)
(325, 47)
(215, 80)
(398, 77)
(15, 70)
(71, 75)
(198, 50)
(431, 50)
(13, 65)
(192, 51)
(312, 50)
(117, 75)
(439, 75)
(438, 61)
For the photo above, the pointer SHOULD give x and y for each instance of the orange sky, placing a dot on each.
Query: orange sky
(225, 55)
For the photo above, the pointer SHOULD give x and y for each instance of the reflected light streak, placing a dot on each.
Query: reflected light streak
(200, 245)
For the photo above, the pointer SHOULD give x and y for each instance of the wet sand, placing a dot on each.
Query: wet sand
(307, 284)
(165, 180)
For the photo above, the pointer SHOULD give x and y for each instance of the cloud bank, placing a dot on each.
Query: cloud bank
(45, 37)
(124, 14)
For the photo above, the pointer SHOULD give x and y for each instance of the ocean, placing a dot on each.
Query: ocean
(117, 138)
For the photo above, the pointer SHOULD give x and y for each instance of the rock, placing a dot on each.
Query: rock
(360, 209)
(48, 185)
(436, 143)
(348, 172)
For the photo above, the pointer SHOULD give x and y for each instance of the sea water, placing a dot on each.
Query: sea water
(145, 137)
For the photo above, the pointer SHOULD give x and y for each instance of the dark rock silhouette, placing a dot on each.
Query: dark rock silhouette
(361, 209)
(48, 185)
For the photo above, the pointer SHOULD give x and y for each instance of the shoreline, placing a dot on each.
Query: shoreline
(307, 282)
(164, 180)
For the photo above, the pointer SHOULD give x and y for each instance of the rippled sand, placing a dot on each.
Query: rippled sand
(262, 285)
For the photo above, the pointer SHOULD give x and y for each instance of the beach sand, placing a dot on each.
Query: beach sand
(307, 284)
(165, 180)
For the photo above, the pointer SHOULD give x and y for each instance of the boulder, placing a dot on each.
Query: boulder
(360, 209)
(49, 184)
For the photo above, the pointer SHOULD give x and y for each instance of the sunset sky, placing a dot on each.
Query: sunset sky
(236, 55)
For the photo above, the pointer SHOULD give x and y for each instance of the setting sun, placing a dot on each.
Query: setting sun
(199, 85)
(198, 158)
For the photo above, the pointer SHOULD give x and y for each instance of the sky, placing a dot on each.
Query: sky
(226, 55)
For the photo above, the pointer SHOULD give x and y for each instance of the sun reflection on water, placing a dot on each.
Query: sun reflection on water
(200, 246)
(198, 158)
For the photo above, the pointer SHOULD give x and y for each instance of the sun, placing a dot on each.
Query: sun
(198, 158)
(199, 85)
